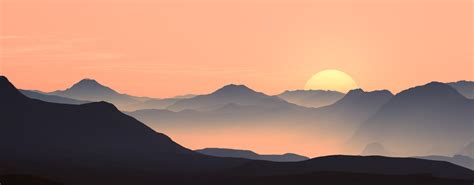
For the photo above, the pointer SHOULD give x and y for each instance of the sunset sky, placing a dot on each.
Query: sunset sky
(167, 48)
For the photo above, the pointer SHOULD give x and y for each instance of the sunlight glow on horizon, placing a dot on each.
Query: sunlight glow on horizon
(334, 80)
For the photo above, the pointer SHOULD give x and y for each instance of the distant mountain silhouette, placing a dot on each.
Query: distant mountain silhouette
(237, 94)
(466, 88)
(429, 119)
(375, 149)
(256, 110)
(247, 154)
(91, 90)
(51, 98)
(359, 96)
(96, 144)
(460, 160)
(311, 98)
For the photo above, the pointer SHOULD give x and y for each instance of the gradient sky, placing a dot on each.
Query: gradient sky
(167, 48)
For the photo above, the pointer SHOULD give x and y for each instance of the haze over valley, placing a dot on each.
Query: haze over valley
(235, 116)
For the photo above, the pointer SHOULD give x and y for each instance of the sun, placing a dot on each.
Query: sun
(334, 80)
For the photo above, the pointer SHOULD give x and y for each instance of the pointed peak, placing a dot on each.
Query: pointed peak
(88, 84)
(234, 89)
(88, 81)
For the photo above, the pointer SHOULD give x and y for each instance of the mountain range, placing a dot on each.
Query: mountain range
(89, 90)
(94, 143)
(237, 107)
(248, 114)
(95, 136)
(236, 94)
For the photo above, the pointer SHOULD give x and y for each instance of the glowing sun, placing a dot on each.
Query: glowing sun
(331, 80)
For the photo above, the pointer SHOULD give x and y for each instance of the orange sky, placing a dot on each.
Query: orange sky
(166, 48)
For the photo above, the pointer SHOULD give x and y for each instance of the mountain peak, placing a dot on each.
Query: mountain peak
(359, 96)
(232, 93)
(357, 91)
(360, 93)
(8, 91)
(91, 85)
(4, 81)
(234, 89)
(87, 82)
(432, 90)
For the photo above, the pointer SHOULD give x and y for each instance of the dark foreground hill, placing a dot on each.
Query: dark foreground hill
(76, 141)
(95, 144)
(460, 160)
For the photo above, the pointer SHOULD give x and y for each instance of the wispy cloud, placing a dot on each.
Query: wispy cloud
(52, 49)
